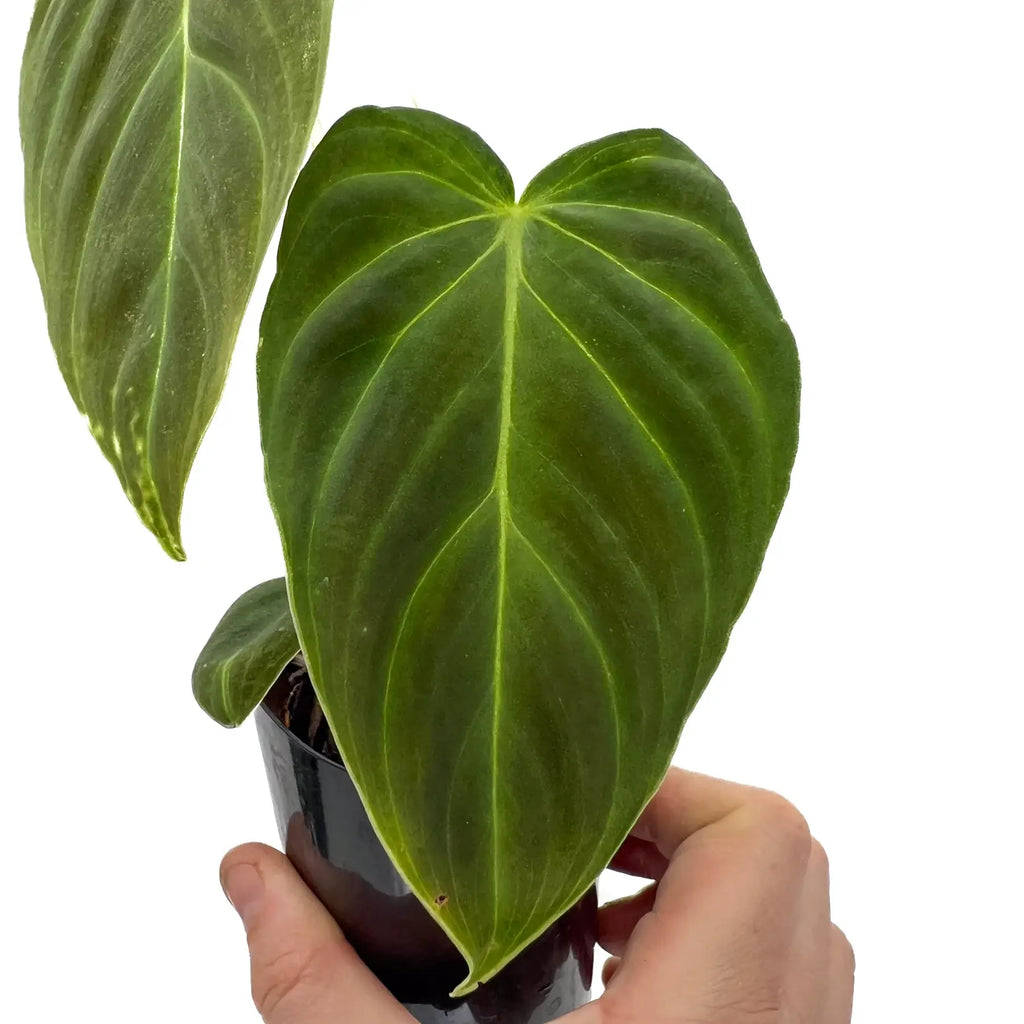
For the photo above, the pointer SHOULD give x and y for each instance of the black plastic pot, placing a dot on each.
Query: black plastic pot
(329, 839)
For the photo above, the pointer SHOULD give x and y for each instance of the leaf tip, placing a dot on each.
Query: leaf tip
(480, 972)
(165, 527)
(171, 543)
(466, 988)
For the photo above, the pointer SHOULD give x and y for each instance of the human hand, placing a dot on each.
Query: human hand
(736, 927)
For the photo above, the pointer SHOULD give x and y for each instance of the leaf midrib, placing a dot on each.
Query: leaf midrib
(515, 280)
(513, 238)
(172, 240)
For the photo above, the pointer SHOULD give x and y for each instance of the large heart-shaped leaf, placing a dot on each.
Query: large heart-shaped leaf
(161, 139)
(525, 458)
(245, 653)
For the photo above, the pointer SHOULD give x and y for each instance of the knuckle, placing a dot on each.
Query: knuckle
(779, 818)
(283, 978)
(818, 860)
(611, 1009)
(842, 949)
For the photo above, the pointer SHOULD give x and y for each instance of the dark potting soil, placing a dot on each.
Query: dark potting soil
(293, 700)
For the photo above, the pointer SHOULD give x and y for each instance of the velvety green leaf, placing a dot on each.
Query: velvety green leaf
(245, 654)
(161, 139)
(525, 458)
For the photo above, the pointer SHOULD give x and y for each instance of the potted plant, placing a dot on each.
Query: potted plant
(525, 456)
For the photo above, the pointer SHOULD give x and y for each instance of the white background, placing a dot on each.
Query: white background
(875, 678)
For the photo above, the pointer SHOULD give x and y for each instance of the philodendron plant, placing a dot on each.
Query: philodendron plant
(525, 455)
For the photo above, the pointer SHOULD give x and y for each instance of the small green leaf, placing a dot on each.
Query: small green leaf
(526, 459)
(245, 654)
(161, 139)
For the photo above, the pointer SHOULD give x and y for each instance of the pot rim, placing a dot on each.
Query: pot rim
(293, 737)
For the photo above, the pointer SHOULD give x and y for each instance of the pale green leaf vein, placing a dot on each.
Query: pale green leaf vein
(439, 423)
(614, 167)
(671, 370)
(734, 356)
(684, 221)
(483, 183)
(655, 443)
(378, 370)
(274, 36)
(447, 157)
(55, 118)
(619, 542)
(609, 679)
(293, 343)
(471, 723)
(344, 179)
(237, 88)
(104, 177)
(339, 444)
(567, 182)
(388, 683)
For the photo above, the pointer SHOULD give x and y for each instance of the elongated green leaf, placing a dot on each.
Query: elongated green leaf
(245, 654)
(161, 139)
(525, 458)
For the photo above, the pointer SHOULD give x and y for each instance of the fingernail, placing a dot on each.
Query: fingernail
(244, 889)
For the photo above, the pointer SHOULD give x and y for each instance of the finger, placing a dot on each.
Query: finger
(839, 998)
(611, 965)
(303, 969)
(726, 910)
(807, 976)
(616, 920)
(597, 1012)
(640, 858)
(685, 803)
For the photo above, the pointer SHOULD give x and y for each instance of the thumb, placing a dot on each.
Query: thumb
(303, 969)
